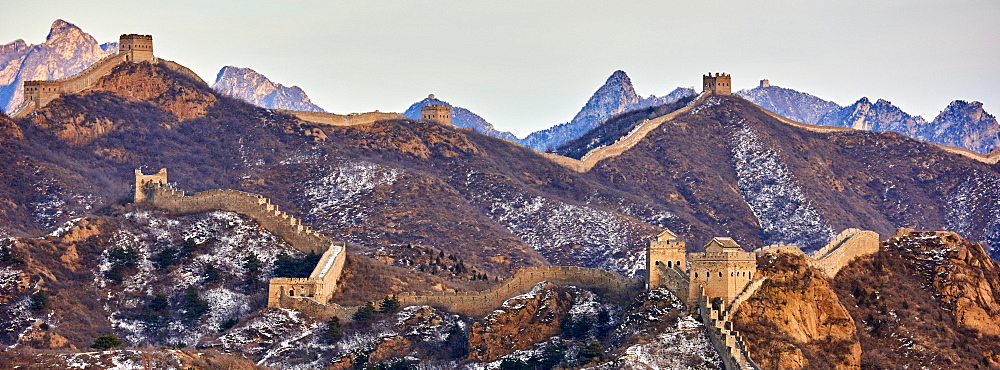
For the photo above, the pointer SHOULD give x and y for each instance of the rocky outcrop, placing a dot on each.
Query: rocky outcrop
(66, 51)
(460, 117)
(521, 322)
(926, 300)
(254, 88)
(965, 125)
(795, 320)
(880, 116)
(138, 84)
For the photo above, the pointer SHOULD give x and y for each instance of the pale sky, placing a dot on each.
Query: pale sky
(526, 65)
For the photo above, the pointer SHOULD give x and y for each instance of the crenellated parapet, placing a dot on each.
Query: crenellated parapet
(319, 286)
(39, 93)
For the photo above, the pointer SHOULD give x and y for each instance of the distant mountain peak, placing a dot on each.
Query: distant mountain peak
(795, 105)
(250, 86)
(615, 96)
(61, 29)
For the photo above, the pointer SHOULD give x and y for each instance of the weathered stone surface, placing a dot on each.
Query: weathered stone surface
(795, 320)
(521, 322)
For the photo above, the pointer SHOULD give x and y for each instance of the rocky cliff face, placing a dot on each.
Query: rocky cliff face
(965, 125)
(925, 300)
(617, 95)
(520, 323)
(254, 88)
(880, 116)
(795, 320)
(460, 117)
(66, 51)
(789, 103)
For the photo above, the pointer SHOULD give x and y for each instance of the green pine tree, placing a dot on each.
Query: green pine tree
(333, 333)
(106, 342)
(389, 305)
(364, 313)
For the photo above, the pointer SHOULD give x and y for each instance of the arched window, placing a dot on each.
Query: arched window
(696, 274)
(291, 292)
(669, 264)
(720, 273)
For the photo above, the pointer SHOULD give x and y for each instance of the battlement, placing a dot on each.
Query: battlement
(436, 113)
(155, 190)
(131, 48)
(719, 84)
(136, 48)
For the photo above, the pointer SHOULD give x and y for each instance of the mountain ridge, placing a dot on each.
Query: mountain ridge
(252, 87)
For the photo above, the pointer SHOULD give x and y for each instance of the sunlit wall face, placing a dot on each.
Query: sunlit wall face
(526, 65)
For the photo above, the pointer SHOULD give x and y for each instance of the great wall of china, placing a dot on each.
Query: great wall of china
(713, 283)
(155, 190)
(139, 48)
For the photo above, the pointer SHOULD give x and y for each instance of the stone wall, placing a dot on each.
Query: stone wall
(342, 119)
(844, 248)
(317, 287)
(481, 303)
(848, 245)
(727, 342)
(41, 93)
(259, 208)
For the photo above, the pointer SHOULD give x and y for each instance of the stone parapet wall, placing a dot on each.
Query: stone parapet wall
(342, 119)
(727, 342)
(259, 208)
(848, 245)
(835, 255)
(481, 303)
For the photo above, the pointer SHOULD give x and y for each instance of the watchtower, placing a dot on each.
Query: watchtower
(723, 270)
(137, 48)
(143, 181)
(436, 113)
(665, 251)
(718, 84)
(41, 92)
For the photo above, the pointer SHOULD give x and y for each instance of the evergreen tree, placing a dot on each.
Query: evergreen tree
(105, 342)
(332, 334)
(210, 274)
(188, 247)
(389, 305)
(39, 301)
(364, 313)
(165, 258)
(252, 264)
(594, 351)
(194, 306)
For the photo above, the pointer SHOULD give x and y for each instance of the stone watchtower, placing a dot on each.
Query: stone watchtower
(722, 271)
(666, 251)
(137, 48)
(718, 84)
(436, 113)
(143, 181)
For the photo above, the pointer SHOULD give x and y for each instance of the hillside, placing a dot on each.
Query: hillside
(415, 200)
(726, 167)
(460, 117)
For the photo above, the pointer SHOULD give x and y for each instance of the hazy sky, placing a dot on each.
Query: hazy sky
(526, 65)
